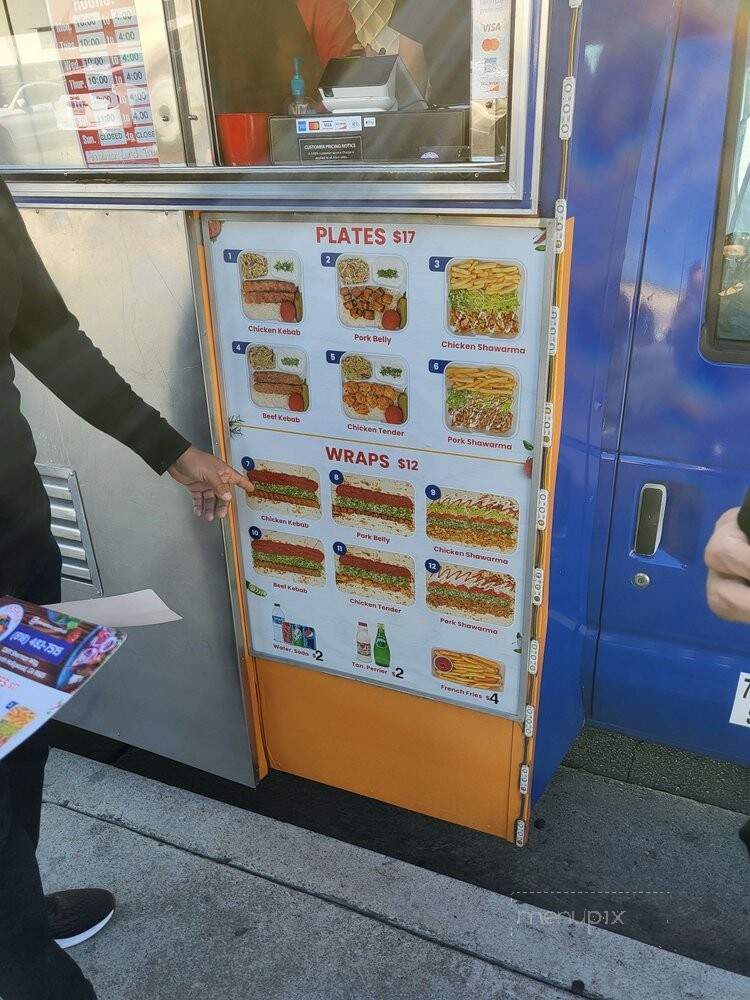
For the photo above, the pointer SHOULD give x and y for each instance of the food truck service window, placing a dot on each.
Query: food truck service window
(726, 336)
(86, 84)
(317, 84)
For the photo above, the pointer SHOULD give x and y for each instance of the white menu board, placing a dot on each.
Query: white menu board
(384, 385)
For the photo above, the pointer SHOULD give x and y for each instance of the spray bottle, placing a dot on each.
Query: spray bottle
(299, 104)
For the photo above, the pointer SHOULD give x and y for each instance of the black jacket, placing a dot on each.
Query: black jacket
(37, 329)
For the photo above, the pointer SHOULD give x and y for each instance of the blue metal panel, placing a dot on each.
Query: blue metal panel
(667, 669)
(679, 405)
(612, 168)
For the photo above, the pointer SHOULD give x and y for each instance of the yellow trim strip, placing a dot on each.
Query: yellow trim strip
(549, 476)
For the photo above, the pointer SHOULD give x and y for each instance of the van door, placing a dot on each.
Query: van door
(668, 669)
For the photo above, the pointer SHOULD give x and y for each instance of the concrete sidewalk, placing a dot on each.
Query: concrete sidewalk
(219, 902)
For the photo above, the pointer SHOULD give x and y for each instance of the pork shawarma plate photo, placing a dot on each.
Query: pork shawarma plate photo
(271, 286)
(481, 398)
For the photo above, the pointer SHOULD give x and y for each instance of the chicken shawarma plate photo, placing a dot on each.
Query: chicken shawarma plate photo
(484, 298)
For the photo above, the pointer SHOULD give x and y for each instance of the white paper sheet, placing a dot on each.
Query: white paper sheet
(142, 607)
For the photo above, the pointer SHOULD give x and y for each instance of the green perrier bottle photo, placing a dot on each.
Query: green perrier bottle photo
(381, 651)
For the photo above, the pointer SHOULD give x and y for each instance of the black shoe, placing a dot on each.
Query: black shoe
(77, 914)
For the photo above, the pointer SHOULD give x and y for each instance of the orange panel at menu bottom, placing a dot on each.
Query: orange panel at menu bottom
(429, 756)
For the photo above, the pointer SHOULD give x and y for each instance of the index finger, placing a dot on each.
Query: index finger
(234, 478)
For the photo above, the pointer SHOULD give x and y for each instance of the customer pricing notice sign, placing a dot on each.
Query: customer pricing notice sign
(384, 385)
(107, 99)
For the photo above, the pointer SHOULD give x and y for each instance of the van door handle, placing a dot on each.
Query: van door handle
(650, 520)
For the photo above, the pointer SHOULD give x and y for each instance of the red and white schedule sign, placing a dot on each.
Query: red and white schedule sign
(108, 101)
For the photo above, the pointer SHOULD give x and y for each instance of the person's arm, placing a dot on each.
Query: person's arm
(331, 27)
(47, 339)
(728, 559)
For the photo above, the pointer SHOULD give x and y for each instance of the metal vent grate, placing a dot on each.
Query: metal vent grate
(69, 526)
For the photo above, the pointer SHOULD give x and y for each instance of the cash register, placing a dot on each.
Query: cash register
(372, 111)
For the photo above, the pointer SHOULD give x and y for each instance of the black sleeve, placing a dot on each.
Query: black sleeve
(47, 339)
(415, 18)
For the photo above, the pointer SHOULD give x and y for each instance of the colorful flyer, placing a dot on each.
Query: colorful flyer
(45, 658)
(392, 426)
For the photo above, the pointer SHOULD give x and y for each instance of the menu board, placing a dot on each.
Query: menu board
(108, 101)
(384, 386)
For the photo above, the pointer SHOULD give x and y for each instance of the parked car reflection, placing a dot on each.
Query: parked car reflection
(33, 129)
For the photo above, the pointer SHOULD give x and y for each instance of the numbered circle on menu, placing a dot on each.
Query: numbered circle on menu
(433, 492)
(432, 566)
(248, 464)
(339, 548)
(336, 477)
(255, 532)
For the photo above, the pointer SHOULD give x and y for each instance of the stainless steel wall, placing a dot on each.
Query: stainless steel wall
(174, 689)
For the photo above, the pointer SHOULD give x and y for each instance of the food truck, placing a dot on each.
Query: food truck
(461, 287)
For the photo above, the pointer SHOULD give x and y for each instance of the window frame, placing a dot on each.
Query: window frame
(192, 171)
(712, 346)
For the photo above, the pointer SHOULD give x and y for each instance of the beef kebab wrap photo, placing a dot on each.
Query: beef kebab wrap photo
(289, 557)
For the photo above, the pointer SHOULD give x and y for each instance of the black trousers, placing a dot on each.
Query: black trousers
(32, 966)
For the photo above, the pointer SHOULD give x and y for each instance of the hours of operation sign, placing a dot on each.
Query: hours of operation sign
(384, 385)
(107, 99)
